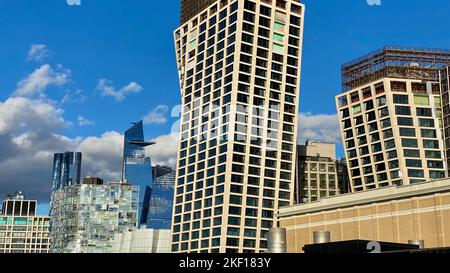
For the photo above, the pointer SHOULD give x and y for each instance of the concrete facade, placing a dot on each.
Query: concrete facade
(239, 71)
(142, 241)
(394, 214)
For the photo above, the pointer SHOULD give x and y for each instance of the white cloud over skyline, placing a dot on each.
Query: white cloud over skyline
(106, 89)
(320, 127)
(157, 115)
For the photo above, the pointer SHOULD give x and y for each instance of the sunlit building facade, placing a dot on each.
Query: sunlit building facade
(391, 117)
(161, 200)
(86, 217)
(66, 169)
(21, 229)
(137, 168)
(239, 71)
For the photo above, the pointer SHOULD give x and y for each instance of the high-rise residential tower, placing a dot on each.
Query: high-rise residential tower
(137, 168)
(66, 170)
(239, 67)
(390, 115)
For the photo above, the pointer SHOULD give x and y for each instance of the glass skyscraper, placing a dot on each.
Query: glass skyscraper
(161, 200)
(137, 168)
(66, 170)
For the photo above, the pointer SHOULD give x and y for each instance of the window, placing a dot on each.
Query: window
(433, 154)
(427, 133)
(426, 122)
(421, 100)
(409, 143)
(416, 173)
(414, 163)
(431, 144)
(403, 110)
(424, 112)
(411, 153)
(401, 99)
(356, 109)
(407, 132)
(405, 121)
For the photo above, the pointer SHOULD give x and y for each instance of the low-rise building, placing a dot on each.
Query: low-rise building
(142, 241)
(21, 229)
(419, 212)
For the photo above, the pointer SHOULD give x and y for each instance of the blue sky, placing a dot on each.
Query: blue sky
(129, 44)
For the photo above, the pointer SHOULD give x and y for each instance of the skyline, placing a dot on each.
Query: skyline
(82, 125)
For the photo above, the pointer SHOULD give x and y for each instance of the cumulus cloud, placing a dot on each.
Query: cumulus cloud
(157, 115)
(82, 121)
(106, 89)
(32, 130)
(38, 52)
(320, 127)
(73, 2)
(164, 152)
(37, 82)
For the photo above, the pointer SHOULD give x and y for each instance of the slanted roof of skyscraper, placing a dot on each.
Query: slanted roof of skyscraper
(395, 62)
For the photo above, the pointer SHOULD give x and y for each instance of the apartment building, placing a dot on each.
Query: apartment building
(21, 229)
(444, 79)
(319, 174)
(390, 116)
(239, 70)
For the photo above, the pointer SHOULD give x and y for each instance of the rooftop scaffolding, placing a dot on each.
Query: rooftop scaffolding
(395, 62)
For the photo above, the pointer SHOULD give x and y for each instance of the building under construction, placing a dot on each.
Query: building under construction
(395, 62)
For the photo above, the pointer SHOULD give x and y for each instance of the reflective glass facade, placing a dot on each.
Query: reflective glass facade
(137, 168)
(85, 218)
(66, 169)
(161, 201)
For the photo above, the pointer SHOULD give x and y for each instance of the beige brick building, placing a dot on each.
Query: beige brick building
(239, 70)
(391, 118)
(394, 214)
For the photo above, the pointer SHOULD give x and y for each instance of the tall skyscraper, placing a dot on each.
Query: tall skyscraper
(390, 115)
(137, 168)
(21, 229)
(66, 169)
(86, 217)
(444, 78)
(317, 174)
(161, 200)
(239, 67)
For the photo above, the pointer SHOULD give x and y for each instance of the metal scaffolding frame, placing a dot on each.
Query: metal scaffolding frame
(395, 62)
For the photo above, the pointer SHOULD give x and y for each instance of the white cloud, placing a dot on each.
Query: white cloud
(73, 2)
(320, 127)
(38, 52)
(157, 115)
(32, 130)
(105, 87)
(43, 77)
(82, 121)
(165, 151)
(72, 97)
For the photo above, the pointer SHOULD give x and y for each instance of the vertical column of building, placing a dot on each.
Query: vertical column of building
(239, 64)
(445, 93)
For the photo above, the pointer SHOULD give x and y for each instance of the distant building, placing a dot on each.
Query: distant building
(142, 241)
(21, 230)
(412, 213)
(319, 174)
(66, 169)
(137, 168)
(86, 217)
(92, 181)
(161, 200)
